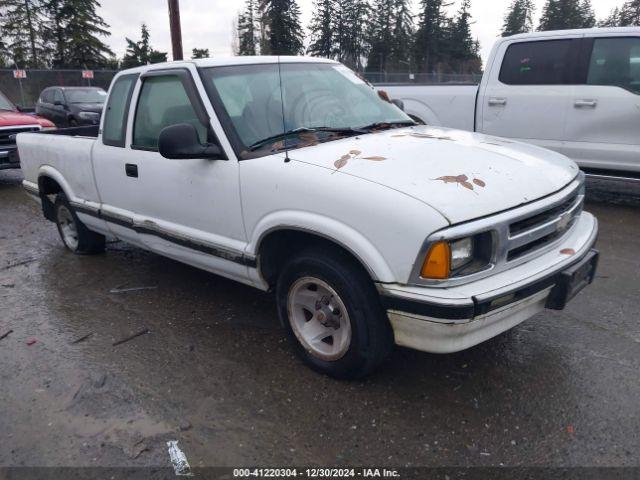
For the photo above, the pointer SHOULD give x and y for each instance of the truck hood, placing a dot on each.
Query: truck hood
(463, 175)
(10, 118)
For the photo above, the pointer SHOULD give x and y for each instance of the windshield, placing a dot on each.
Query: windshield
(314, 95)
(5, 104)
(86, 95)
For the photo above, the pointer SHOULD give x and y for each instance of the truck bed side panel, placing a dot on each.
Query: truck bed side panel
(69, 156)
(450, 106)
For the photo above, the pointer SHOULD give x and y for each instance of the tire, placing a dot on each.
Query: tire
(74, 234)
(330, 283)
(73, 123)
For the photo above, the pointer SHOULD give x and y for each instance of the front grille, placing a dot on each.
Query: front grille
(7, 138)
(532, 233)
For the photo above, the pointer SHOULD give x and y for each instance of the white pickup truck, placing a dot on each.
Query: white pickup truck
(576, 92)
(291, 174)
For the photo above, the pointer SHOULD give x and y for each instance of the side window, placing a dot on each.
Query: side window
(57, 96)
(536, 63)
(114, 129)
(615, 62)
(163, 101)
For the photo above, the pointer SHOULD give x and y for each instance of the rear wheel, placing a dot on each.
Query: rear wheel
(74, 234)
(332, 313)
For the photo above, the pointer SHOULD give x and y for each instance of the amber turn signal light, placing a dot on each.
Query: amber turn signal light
(437, 264)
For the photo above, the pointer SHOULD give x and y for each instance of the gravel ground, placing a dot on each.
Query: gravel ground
(215, 371)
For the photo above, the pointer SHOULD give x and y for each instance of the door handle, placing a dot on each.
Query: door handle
(497, 101)
(586, 103)
(131, 170)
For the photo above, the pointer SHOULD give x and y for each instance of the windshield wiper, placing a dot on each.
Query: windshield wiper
(273, 138)
(379, 125)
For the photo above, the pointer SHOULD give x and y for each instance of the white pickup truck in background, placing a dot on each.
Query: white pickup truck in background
(291, 174)
(576, 92)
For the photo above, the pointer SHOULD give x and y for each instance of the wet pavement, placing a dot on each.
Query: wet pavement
(216, 373)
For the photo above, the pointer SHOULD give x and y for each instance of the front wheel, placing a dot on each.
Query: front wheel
(332, 313)
(74, 234)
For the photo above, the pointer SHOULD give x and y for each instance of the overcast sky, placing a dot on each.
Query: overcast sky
(208, 23)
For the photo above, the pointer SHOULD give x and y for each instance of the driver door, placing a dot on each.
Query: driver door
(188, 210)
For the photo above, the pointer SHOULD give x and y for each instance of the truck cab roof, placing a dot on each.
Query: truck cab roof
(231, 61)
(581, 31)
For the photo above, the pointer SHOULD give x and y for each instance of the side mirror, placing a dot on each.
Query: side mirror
(399, 104)
(181, 142)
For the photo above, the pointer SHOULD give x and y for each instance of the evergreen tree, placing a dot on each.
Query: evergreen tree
(630, 14)
(74, 30)
(200, 53)
(380, 35)
(402, 37)
(247, 35)
(322, 29)
(21, 22)
(566, 14)
(283, 32)
(354, 45)
(141, 52)
(338, 30)
(613, 20)
(587, 14)
(431, 35)
(463, 50)
(519, 18)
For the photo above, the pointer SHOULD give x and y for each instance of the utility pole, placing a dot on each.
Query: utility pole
(176, 31)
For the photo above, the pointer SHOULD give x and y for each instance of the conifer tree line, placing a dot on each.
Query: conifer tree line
(392, 35)
(53, 33)
(376, 35)
(566, 14)
(67, 34)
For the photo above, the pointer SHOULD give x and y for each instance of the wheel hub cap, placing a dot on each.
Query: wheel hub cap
(319, 318)
(68, 228)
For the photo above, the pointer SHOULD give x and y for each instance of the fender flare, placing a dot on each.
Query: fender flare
(51, 172)
(328, 228)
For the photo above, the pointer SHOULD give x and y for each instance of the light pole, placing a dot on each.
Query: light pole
(176, 31)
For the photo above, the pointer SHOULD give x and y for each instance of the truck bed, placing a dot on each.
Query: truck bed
(65, 154)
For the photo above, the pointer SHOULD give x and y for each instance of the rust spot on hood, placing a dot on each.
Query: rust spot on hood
(479, 182)
(461, 180)
(354, 154)
(568, 251)
(422, 135)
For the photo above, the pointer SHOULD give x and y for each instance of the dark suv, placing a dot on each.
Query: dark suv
(71, 106)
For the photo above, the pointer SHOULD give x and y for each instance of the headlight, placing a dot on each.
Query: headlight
(89, 115)
(461, 252)
(459, 257)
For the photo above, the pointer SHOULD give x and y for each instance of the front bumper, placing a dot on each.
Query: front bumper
(444, 320)
(9, 158)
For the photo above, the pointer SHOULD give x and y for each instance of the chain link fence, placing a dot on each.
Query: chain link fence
(407, 78)
(25, 91)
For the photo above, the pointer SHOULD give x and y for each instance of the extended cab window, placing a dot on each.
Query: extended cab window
(163, 102)
(615, 62)
(536, 63)
(117, 111)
